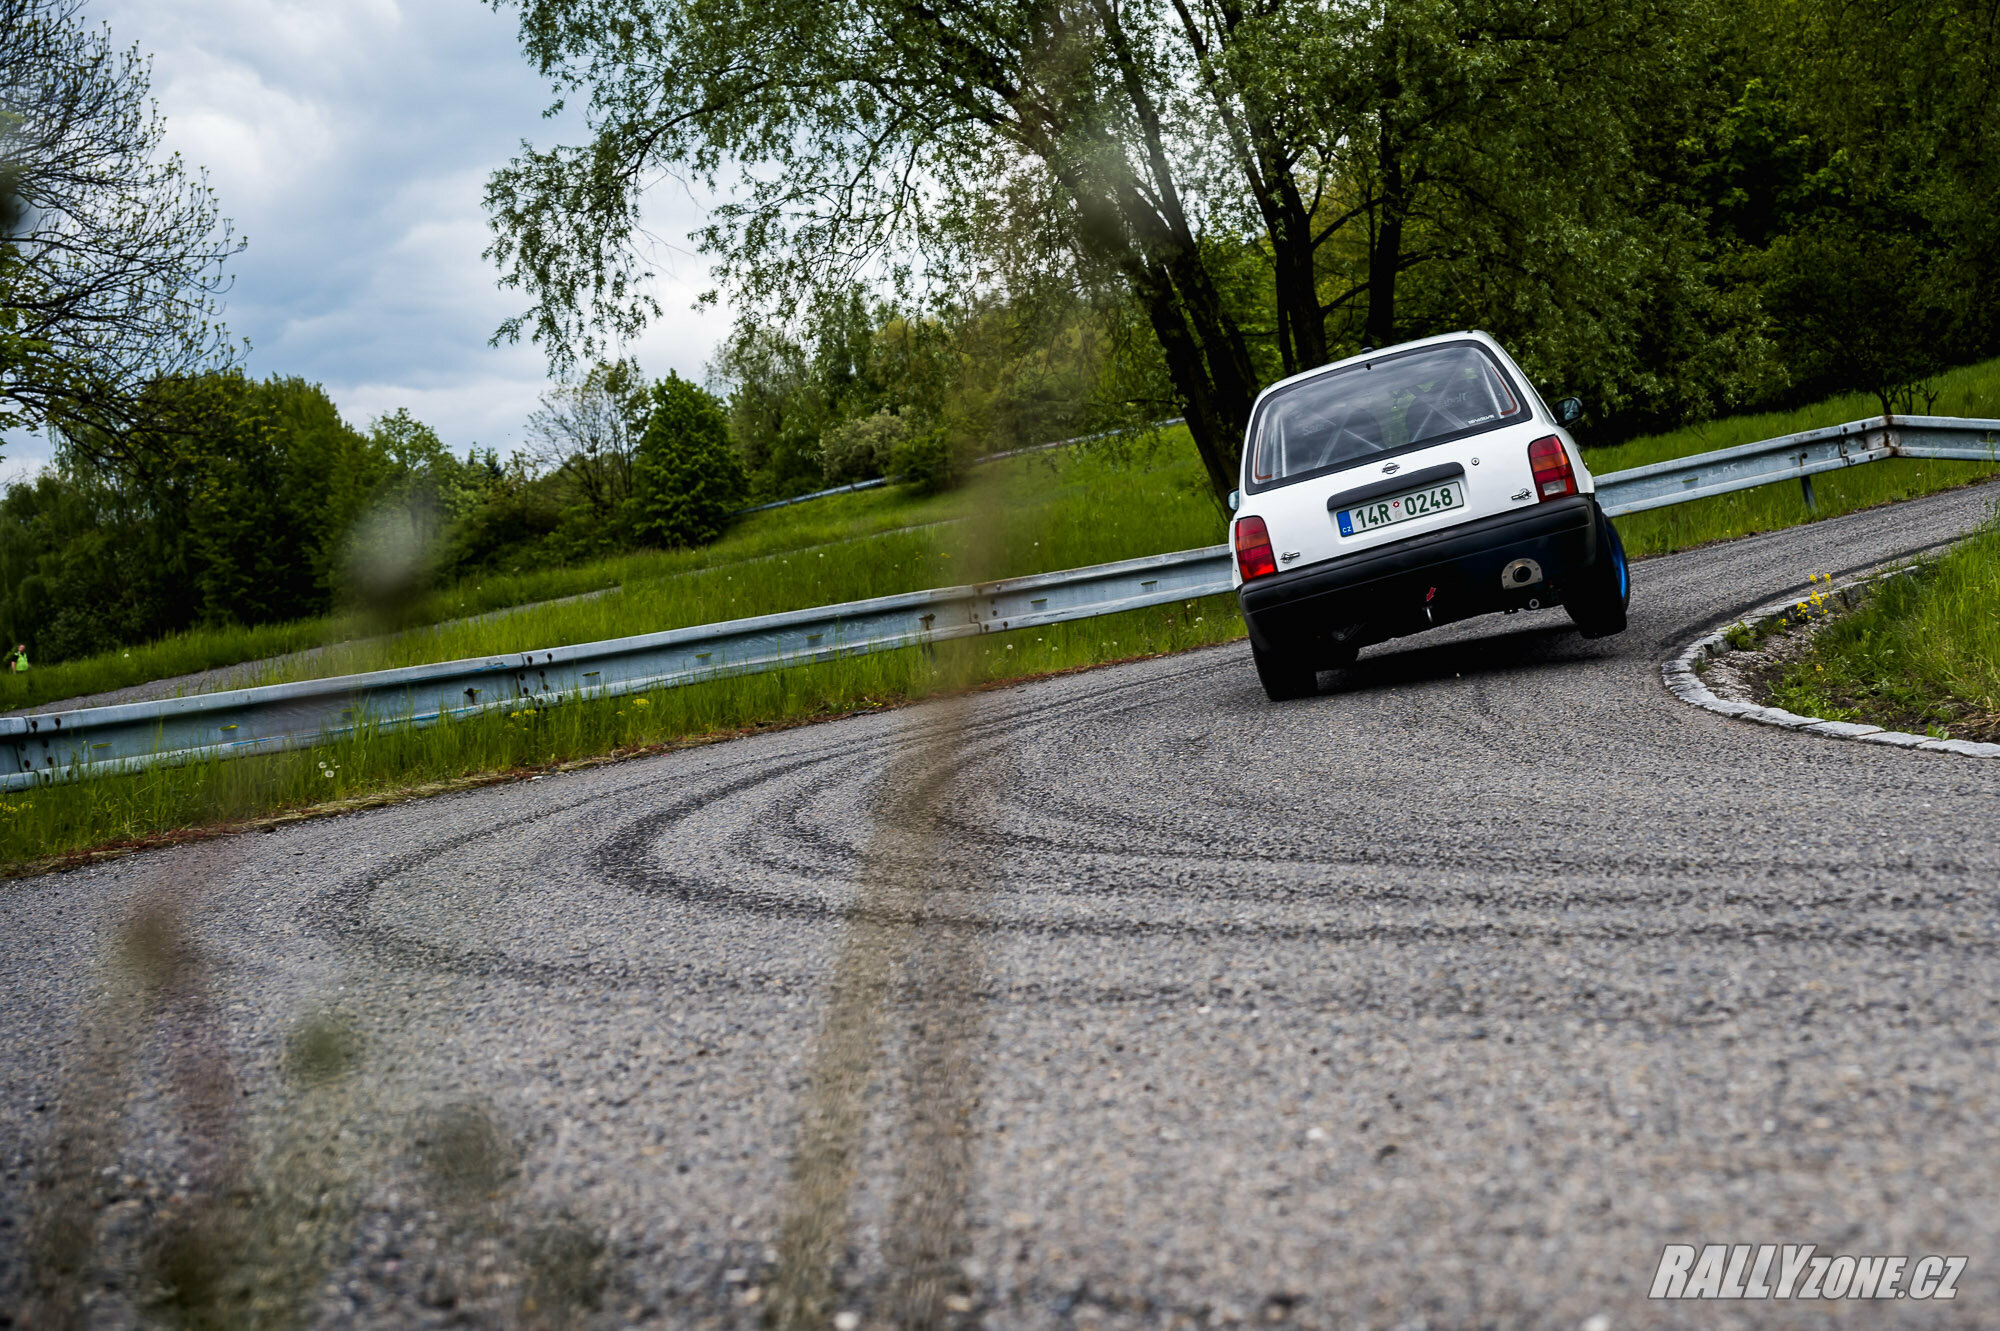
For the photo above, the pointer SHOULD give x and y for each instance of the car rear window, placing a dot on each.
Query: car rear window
(1401, 401)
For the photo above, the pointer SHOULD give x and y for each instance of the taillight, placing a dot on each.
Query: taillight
(1553, 477)
(1253, 548)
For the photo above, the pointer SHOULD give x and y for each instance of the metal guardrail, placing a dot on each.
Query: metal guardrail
(56, 746)
(873, 483)
(64, 745)
(1797, 457)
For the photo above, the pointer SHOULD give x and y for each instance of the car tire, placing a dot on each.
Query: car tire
(1598, 607)
(1284, 676)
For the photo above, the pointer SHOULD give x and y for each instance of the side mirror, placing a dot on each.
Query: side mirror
(1569, 411)
(1235, 498)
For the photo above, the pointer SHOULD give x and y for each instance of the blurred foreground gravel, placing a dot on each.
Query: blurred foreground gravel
(1443, 999)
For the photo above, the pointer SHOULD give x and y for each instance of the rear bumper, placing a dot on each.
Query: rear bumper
(1409, 586)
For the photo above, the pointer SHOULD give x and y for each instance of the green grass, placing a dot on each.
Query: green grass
(1038, 517)
(1053, 511)
(1922, 654)
(1971, 391)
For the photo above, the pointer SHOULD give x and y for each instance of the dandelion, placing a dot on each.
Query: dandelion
(642, 702)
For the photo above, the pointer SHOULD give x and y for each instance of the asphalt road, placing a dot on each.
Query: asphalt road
(1443, 999)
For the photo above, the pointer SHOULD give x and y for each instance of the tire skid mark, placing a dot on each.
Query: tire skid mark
(893, 938)
(340, 913)
(622, 861)
(801, 848)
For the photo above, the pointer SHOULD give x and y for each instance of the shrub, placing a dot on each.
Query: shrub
(864, 447)
(686, 479)
(927, 461)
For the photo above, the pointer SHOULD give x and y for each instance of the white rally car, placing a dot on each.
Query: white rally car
(1405, 488)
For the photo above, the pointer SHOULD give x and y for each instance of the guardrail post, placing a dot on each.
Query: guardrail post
(1812, 503)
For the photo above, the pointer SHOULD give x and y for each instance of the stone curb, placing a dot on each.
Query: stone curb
(1682, 681)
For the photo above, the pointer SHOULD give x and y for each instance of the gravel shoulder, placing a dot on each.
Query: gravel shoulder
(1446, 997)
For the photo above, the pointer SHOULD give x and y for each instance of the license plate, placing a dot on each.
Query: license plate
(1401, 508)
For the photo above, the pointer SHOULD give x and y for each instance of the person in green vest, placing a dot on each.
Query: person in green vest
(18, 662)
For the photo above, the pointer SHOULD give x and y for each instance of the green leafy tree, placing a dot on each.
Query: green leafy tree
(777, 407)
(1868, 147)
(1489, 145)
(586, 431)
(863, 447)
(686, 478)
(244, 517)
(792, 400)
(111, 256)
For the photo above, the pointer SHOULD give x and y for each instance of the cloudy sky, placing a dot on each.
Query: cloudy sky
(350, 140)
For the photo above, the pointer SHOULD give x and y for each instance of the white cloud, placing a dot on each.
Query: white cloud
(350, 140)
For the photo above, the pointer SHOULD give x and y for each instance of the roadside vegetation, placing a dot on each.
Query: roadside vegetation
(1122, 498)
(1921, 654)
(1972, 390)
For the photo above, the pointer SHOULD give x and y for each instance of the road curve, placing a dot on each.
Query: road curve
(1443, 999)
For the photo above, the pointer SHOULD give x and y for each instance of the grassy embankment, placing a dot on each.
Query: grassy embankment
(1045, 512)
(774, 533)
(1048, 511)
(1971, 391)
(1921, 654)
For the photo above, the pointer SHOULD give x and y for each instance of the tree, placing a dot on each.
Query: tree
(1885, 264)
(588, 430)
(777, 408)
(244, 518)
(789, 397)
(1156, 145)
(862, 447)
(111, 260)
(686, 479)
